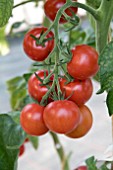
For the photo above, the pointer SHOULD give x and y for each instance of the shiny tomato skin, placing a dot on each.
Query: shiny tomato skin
(80, 91)
(83, 167)
(21, 150)
(61, 116)
(35, 89)
(37, 52)
(84, 62)
(85, 123)
(51, 8)
(31, 119)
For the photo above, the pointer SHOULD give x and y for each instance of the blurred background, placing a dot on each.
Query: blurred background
(13, 62)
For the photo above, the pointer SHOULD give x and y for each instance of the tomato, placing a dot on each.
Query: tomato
(79, 91)
(84, 62)
(26, 140)
(22, 150)
(34, 85)
(61, 116)
(83, 167)
(85, 123)
(51, 8)
(31, 119)
(34, 51)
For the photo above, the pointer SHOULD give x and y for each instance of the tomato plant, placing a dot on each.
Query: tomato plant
(66, 57)
(78, 91)
(85, 123)
(31, 119)
(33, 48)
(61, 116)
(51, 8)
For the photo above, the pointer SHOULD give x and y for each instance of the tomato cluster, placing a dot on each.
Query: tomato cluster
(69, 116)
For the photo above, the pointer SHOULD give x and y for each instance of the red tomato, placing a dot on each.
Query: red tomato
(26, 140)
(84, 63)
(34, 51)
(85, 123)
(51, 8)
(83, 167)
(34, 85)
(61, 116)
(31, 120)
(79, 90)
(22, 150)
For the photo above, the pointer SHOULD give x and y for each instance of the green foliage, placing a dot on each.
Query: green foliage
(109, 102)
(11, 138)
(15, 115)
(34, 141)
(5, 11)
(106, 68)
(106, 74)
(18, 91)
(91, 163)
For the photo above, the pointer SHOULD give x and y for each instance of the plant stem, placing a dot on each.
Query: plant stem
(60, 151)
(102, 24)
(25, 2)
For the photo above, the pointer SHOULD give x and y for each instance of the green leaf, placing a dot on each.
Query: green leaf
(6, 7)
(104, 167)
(11, 138)
(34, 141)
(15, 115)
(26, 101)
(91, 163)
(106, 68)
(18, 91)
(27, 76)
(109, 102)
(17, 98)
(15, 83)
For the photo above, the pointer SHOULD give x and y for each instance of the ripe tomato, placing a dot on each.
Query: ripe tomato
(61, 116)
(34, 85)
(85, 123)
(26, 140)
(34, 51)
(79, 90)
(83, 167)
(84, 63)
(52, 6)
(22, 150)
(31, 119)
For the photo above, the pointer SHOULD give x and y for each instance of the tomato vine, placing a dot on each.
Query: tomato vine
(60, 93)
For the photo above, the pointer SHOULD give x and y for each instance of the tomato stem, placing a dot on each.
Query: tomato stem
(25, 2)
(57, 50)
(103, 23)
(60, 151)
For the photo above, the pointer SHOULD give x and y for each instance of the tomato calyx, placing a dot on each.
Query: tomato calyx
(73, 20)
(39, 41)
